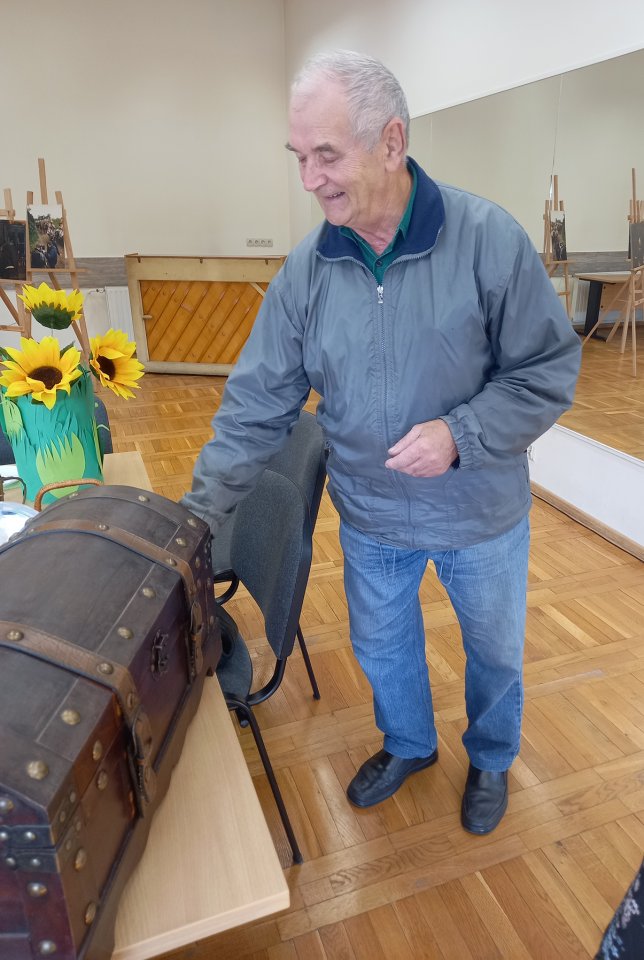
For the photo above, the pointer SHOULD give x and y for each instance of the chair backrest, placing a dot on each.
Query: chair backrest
(103, 424)
(270, 551)
(104, 435)
(303, 460)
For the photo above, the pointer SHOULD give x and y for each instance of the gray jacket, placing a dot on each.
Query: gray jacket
(465, 327)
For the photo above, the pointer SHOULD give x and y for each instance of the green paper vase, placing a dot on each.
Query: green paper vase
(57, 444)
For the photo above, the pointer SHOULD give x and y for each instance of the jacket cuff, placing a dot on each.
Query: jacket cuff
(465, 456)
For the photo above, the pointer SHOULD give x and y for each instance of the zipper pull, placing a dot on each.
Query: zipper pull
(381, 299)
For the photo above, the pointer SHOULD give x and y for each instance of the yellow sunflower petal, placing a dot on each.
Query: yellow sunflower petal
(18, 389)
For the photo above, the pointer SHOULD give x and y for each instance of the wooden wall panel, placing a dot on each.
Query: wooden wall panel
(194, 315)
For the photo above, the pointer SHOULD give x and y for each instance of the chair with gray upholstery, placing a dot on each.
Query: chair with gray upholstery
(302, 460)
(270, 553)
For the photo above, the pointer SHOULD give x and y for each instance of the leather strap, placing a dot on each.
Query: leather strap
(150, 551)
(45, 646)
(130, 540)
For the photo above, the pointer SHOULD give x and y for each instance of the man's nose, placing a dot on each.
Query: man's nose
(312, 176)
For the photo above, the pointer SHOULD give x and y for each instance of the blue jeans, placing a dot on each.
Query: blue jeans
(487, 587)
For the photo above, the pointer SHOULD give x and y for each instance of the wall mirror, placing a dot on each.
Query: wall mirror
(585, 127)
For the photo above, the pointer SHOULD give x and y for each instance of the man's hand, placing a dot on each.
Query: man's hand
(428, 450)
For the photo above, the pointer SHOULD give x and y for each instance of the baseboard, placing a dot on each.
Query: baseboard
(586, 520)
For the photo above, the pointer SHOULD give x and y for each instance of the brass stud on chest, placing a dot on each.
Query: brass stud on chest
(47, 948)
(80, 859)
(181, 542)
(102, 526)
(105, 668)
(191, 522)
(6, 805)
(90, 913)
(125, 632)
(97, 750)
(37, 770)
(101, 780)
(171, 561)
(70, 717)
(143, 499)
(29, 836)
(14, 636)
(36, 889)
(148, 592)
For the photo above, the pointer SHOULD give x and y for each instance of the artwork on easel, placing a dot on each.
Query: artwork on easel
(558, 235)
(13, 250)
(46, 236)
(636, 237)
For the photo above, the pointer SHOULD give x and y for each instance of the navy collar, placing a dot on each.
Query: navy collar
(427, 218)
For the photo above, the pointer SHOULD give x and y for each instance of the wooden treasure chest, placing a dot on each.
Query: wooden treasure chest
(107, 631)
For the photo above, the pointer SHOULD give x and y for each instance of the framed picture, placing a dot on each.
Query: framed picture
(558, 235)
(636, 234)
(13, 250)
(46, 237)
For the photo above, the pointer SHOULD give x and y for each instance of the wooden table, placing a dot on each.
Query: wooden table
(596, 294)
(210, 863)
(127, 469)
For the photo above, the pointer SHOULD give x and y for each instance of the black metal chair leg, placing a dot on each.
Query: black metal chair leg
(307, 662)
(240, 706)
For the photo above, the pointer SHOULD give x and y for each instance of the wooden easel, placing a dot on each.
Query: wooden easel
(632, 288)
(22, 319)
(20, 315)
(554, 203)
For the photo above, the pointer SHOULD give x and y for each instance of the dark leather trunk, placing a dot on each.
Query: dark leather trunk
(107, 630)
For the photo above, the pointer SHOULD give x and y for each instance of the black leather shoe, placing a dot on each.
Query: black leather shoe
(381, 775)
(485, 800)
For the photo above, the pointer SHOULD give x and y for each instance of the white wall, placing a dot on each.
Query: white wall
(456, 50)
(161, 122)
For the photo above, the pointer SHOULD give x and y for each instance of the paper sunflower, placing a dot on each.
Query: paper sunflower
(52, 308)
(40, 369)
(112, 361)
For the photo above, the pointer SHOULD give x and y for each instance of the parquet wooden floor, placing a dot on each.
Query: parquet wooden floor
(609, 402)
(403, 879)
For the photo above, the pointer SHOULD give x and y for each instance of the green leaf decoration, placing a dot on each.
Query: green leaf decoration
(5, 354)
(52, 317)
(62, 459)
(10, 419)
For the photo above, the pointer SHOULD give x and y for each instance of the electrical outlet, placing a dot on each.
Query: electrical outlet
(256, 242)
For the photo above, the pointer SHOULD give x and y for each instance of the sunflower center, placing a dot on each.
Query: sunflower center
(108, 367)
(50, 376)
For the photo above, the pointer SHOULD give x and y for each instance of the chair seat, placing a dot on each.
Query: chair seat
(235, 668)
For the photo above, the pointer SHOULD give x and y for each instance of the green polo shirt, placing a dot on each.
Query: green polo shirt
(378, 262)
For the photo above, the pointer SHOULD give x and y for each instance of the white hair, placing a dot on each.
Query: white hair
(374, 95)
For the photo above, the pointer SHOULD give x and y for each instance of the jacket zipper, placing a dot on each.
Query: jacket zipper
(381, 298)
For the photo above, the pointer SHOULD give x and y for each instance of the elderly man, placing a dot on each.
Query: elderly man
(423, 317)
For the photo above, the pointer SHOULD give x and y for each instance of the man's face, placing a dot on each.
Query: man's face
(347, 180)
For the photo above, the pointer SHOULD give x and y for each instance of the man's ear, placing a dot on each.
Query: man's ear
(395, 143)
